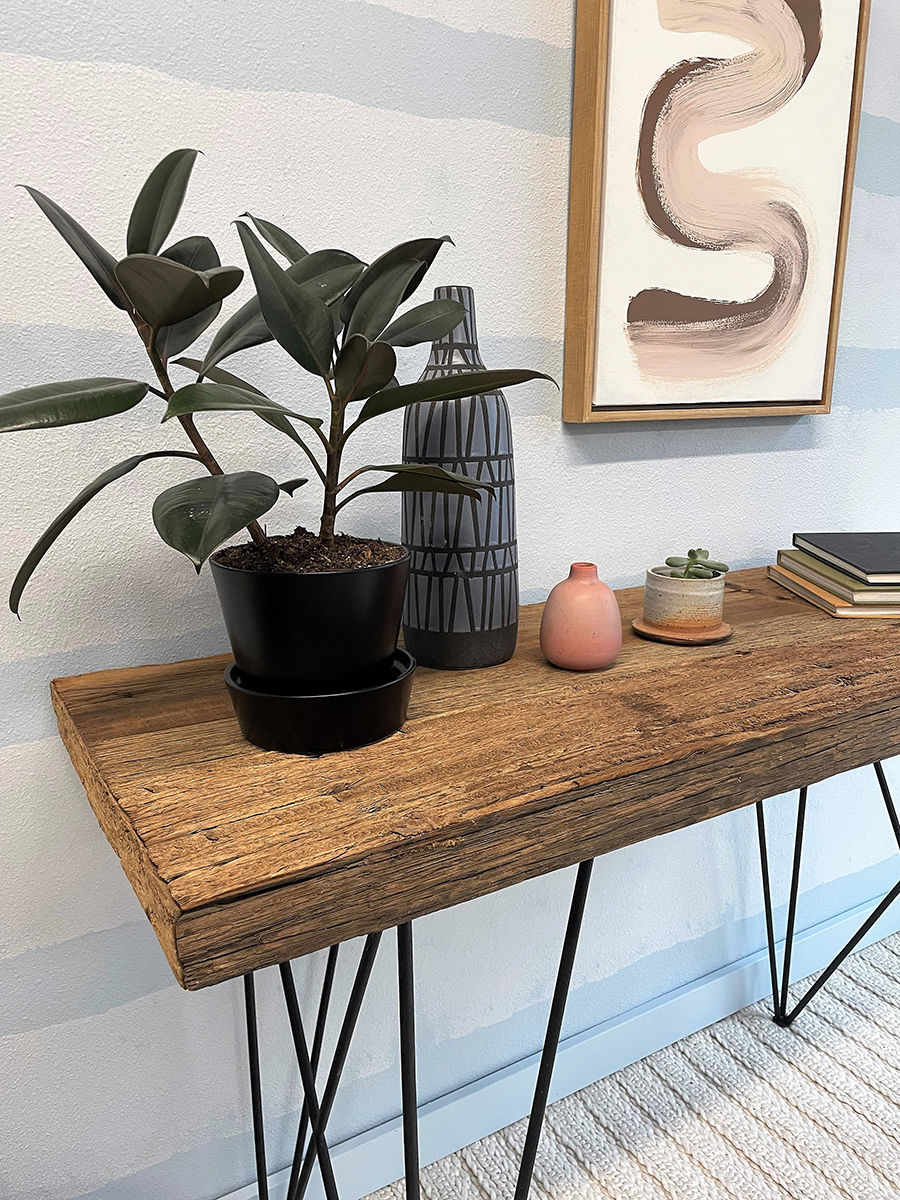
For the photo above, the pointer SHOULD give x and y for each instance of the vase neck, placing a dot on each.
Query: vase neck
(583, 571)
(459, 347)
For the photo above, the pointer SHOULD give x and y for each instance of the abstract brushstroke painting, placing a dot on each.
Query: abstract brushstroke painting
(713, 145)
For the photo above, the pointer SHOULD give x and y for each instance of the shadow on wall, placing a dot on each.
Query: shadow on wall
(638, 441)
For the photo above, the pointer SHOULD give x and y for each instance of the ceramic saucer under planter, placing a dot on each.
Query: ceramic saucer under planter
(322, 722)
(682, 637)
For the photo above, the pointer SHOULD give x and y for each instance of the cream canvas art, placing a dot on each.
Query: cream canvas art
(712, 159)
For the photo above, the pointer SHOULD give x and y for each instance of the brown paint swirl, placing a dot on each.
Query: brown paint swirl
(672, 335)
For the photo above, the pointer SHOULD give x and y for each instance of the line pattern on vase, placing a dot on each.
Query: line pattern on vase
(464, 560)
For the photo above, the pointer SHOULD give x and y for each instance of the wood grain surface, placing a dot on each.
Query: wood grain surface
(244, 857)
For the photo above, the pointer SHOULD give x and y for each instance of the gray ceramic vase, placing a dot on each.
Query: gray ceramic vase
(462, 603)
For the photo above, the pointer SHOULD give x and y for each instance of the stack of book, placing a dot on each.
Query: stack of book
(847, 574)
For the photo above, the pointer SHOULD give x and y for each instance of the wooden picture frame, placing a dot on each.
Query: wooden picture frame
(587, 197)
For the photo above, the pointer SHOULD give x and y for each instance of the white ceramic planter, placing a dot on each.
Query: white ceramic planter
(689, 605)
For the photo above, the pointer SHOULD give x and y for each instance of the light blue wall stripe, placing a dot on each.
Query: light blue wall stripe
(867, 379)
(81, 977)
(31, 717)
(215, 1168)
(98, 971)
(361, 52)
(878, 160)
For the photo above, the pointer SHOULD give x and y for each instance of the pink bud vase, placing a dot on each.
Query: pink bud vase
(581, 629)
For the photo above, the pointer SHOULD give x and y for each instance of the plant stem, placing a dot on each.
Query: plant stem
(333, 449)
(204, 453)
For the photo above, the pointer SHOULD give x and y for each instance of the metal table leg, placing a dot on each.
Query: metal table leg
(408, 1089)
(259, 1134)
(781, 1015)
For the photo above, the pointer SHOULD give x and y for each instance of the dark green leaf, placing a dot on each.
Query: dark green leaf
(281, 241)
(378, 303)
(363, 368)
(98, 261)
(407, 482)
(164, 292)
(424, 323)
(326, 273)
(201, 255)
(299, 322)
(159, 202)
(454, 387)
(433, 472)
(280, 422)
(220, 397)
(49, 536)
(290, 485)
(70, 403)
(421, 250)
(198, 516)
(276, 419)
(331, 285)
(218, 375)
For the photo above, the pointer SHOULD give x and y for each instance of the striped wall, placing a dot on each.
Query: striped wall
(357, 124)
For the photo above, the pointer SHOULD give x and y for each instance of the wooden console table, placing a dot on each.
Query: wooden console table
(244, 858)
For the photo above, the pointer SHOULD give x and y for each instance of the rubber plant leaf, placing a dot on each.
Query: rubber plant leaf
(453, 387)
(98, 261)
(218, 374)
(278, 239)
(432, 472)
(299, 322)
(363, 368)
(416, 483)
(49, 536)
(420, 250)
(378, 303)
(424, 323)
(199, 254)
(196, 517)
(50, 404)
(164, 292)
(220, 397)
(277, 420)
(290, 485)
(328, 273)
(159, 202)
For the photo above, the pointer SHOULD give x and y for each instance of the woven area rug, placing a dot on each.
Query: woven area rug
(742, 1110)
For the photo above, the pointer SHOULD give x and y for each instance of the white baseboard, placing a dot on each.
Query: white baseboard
(375, 1158)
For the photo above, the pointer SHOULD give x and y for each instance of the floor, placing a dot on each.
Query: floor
(742, 1110)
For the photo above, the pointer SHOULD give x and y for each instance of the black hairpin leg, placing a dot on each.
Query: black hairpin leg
(554, 1028)
(259, 1136)
(408, 1089)
(780, 985)
(315, 1055)
(297, 1190)
(308, 1079)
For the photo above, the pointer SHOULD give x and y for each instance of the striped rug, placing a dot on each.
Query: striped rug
(742, 1110)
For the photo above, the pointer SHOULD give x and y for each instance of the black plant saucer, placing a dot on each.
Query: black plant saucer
(321, 723)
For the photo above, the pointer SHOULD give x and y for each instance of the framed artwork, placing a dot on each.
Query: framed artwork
(713, 148)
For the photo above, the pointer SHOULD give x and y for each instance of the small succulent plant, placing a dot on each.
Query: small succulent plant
(697, 565)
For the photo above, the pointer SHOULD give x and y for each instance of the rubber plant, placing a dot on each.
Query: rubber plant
(333, 314)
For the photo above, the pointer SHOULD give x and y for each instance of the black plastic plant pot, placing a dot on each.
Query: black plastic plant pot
(314, 724)
(321, 630)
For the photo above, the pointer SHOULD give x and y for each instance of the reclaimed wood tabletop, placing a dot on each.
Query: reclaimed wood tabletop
(244, 857)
